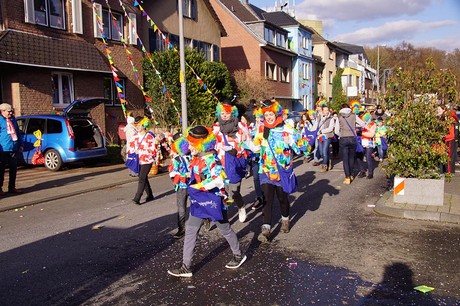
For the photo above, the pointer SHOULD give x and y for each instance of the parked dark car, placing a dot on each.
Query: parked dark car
(67, 137)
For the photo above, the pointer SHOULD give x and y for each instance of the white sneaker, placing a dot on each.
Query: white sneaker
(242, 214)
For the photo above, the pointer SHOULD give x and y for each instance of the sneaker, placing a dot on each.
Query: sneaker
(361, 174)
(323, 168)
(183, 271)
(180, 233)
(258, 203)
(137, 202)
(207, 224)
(370, 176)
(284, 226)
(264, 235)
(242, 214)
(149, 199)
(236, 261)
(347, 181)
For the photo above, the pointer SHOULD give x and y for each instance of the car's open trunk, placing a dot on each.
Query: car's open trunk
(87, 135)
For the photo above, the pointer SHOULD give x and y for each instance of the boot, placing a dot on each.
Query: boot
(323, 168)
(264, 236)
(329, 165)
(284, 226)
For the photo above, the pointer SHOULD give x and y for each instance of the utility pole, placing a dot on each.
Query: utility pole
(378, 73)
(183, 87)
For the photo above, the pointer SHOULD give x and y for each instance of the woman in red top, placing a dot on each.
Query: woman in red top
(143, 144)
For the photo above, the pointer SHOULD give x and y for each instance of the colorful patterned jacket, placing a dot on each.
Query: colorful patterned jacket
(179, 171)
(208, 173)
(146, 148)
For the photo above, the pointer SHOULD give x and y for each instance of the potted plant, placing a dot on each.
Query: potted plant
(415, 132)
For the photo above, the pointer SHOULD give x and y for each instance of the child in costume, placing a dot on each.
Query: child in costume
(208, 177)
(179, 172)
(229, 136)
(380, 132)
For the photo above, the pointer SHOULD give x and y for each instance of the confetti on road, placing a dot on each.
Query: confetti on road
(424, 288)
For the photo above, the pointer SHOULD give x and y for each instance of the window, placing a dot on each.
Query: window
(156, 41)
(284, 74)
(281, 40)
(112, 27)
(189, 8)
(331, 54)
(206, 49)
(53, 126)
(270, 71)
(269, 35)
(49, 13)
(36, 124)
(216, 53)
(330, 77)
(306, 71)
(111, 93)
(77, 18)
(132, 29)
(62, 88)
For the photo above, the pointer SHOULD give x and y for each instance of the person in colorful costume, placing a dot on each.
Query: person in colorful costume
(229, 135)
(144, 144)
(179, 172)
(208, 175)
(380, 132)
(367, 139)
(277, 142)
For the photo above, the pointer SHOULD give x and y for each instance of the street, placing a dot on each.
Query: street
(98, 248)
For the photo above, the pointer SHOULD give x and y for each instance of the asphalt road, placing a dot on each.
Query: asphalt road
(99, 249)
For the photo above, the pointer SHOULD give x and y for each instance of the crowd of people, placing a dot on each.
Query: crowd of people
(207, 164)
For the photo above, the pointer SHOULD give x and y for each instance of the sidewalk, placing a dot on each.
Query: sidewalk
(40, 185)
(449, 212)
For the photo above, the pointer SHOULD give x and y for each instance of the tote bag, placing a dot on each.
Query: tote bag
(287, 176)
(235, 167)
(132, 160)
(205, 204)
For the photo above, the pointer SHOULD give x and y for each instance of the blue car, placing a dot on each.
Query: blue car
(67, 137)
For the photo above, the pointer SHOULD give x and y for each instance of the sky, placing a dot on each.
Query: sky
(423, 23)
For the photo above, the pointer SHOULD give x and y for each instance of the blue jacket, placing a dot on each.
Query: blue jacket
(6, 143)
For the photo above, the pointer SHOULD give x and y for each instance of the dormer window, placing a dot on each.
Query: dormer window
(49, 13)
(269, 35)
(281, 40)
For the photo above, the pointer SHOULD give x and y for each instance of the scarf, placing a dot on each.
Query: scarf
(229, 127)
(10, 129)
(267, 127)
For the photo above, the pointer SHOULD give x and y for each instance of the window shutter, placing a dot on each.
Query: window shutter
(97, 11)
(77, 20)
(132, 29)
(29, 11)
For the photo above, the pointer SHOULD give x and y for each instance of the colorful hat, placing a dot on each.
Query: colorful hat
(355, 103)
(272, 106)
(201, 138)
(311, 112)
(227, 107)
(144, 121)
(180, 146)
(321, 102)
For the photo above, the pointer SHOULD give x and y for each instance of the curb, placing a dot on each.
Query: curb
(417, 214)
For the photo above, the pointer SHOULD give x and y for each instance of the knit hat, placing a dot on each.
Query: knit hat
(227, 107)
(201, 138)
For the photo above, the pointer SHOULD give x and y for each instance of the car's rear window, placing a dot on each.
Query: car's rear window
(54, 126)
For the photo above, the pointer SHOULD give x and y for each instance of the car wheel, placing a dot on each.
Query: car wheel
(53, 160)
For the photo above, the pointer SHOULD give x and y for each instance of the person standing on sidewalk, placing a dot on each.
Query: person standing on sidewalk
(277, 142)
(228, 142)
(208, 177)
(325, 135)
(367, 136)
(345, 127)
(179, 172)
(10, 147)
(145, 145)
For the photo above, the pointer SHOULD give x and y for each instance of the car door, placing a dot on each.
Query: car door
(28, 126)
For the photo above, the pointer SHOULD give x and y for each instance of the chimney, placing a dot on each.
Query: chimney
(246, 2)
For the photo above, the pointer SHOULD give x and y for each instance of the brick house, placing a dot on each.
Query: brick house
(51, 53)
(256, 46)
